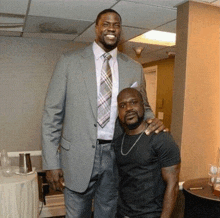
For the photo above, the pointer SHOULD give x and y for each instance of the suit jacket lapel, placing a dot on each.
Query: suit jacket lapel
(89, 75)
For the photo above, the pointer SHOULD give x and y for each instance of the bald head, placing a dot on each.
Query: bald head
(130, 91)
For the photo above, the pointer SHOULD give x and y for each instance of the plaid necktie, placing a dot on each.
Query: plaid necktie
(105, 92)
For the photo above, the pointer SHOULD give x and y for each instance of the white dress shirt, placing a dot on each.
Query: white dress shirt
(107, 132)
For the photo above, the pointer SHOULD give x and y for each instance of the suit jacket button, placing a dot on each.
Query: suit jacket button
(95, 125)
(93, 146)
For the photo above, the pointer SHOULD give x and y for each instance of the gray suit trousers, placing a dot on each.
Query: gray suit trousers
(102, 188)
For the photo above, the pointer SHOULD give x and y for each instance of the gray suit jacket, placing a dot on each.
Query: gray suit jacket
(70, 115)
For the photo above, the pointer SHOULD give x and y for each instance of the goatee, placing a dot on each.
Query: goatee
(110, 47)
(135, 125)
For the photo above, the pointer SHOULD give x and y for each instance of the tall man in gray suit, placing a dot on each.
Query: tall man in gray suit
(76, 145)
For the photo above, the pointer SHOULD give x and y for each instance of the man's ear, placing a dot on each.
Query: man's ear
(96, 27)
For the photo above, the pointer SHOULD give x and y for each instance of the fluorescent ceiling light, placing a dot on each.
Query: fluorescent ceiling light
(156, 37)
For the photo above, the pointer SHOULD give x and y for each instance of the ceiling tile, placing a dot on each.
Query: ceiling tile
(16, 29)
(11, 20)
(169, 27)
(144, 16)
(10, 33)
(69, 9)
(208, 1)
(162, 3)
(50, 36)
(36, 24)
(216, 3)
(211, 2)
(87, 36)
(130, 32)
(11, 24)
(13, 6)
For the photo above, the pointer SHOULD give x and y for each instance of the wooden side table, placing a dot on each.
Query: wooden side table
(200, 202)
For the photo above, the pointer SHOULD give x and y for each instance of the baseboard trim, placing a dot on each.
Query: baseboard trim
(32, 153)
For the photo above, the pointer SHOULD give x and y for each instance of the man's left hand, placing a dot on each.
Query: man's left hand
(155, 125)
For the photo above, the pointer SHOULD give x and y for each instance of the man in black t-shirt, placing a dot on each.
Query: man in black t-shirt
(148, 164)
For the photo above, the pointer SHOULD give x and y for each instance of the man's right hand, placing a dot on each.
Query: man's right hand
(155, 125)
(55, 179)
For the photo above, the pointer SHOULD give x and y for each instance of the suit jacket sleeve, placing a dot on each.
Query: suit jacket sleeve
(53, 117)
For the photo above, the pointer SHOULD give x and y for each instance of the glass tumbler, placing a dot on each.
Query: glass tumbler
(212, 174)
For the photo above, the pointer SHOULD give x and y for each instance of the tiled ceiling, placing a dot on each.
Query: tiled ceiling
(74, 20)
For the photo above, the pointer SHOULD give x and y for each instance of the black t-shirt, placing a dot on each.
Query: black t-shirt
(141, 187)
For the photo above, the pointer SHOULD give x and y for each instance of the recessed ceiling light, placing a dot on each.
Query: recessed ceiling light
(156, 37)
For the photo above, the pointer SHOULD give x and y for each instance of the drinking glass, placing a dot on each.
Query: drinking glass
(212, 174)
(6, 164)
(25, 163)
(216, 184)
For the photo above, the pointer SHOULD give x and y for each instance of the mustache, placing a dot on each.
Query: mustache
(128, 113)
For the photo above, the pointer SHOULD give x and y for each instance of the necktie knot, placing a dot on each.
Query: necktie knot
(107, 56)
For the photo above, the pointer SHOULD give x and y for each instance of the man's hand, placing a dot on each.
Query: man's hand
(55, 179)
(155, 125)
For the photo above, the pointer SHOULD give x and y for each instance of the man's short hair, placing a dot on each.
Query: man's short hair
(105, 12)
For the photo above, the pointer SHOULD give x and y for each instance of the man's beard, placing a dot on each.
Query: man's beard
(110, 46)
(135, 125)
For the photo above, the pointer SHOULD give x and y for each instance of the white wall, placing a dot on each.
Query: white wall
(26, 68)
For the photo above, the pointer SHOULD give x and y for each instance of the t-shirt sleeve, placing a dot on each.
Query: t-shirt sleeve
(166, 149)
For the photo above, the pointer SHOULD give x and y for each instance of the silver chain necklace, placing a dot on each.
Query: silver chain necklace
(124, 154)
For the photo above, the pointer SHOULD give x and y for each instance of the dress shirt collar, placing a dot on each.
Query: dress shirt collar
(98, 52)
